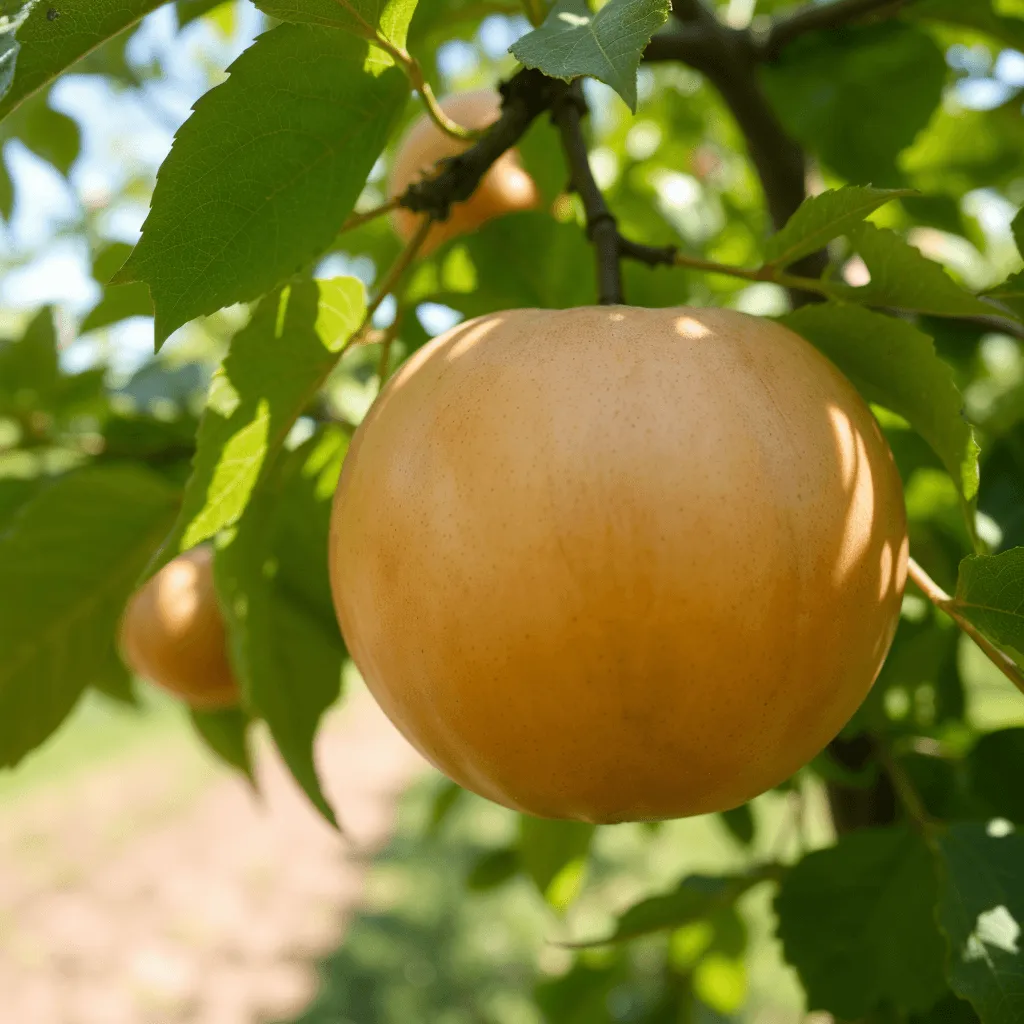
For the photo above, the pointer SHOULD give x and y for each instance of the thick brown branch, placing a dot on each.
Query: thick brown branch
(524, 96)
(601, 227)
(813, 17)
(726, 57)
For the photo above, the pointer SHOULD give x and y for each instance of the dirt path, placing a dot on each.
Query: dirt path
(159, 891)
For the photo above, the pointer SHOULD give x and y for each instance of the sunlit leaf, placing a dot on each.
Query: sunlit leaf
(574, 41)
(265, 171)
(271, 373)
(56, 35)
(894, 364)
(981, 910)
(990, 592)
(362, 17)
(69, 560)
(824, 217)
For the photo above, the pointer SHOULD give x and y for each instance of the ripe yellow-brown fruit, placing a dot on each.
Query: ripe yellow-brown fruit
(505, 188)
(172, 633)
(619, 564)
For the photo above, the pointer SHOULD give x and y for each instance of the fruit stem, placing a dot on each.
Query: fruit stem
(414, 72)
(947, 604)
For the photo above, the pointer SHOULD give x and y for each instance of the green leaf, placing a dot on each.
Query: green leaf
(978, 15)
(1018, 231)
(857, 922)
(1010, 294)
(121, 688)
(523, 260)
(226, 733)
(695, 898)
(6, 190)
(263, 174)
(446, 799)
(273, 579)
(994, 764)
(948, 1011)
(894, 364)
(48, 45)
(13, 494)
(109, 260)
(29, 373)
(363, 17)
(272, 372)
(607, 46)
(191, 10)
(9, 48)
(740, 823)
(904, 278)
(493, 868)
(548, 847)
(51, 135)
(119, 302)
(824, 217)
(981, 908)
(834, 91)
(69, 560)
(990, 593)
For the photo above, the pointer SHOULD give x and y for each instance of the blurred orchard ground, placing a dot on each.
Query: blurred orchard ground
(141, 882)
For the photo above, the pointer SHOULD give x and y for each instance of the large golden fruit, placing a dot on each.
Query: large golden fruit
(172, 633)
(505, 188)
(615, 563)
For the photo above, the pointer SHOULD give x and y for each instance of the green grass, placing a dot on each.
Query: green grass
(98, 731)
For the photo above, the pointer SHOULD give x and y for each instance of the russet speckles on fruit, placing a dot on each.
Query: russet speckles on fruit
(505, 188)
(172, 633)
(617, 563)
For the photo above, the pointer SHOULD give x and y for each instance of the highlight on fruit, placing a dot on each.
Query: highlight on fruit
(505, 188)
(616, 563)
(172, 633)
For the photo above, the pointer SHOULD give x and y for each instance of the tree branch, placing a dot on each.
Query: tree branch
(813, 17)
(601, 227)
(728, 59)
(524, 96)
(944, 602)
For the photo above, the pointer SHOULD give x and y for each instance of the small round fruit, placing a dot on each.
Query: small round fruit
(505, 188)
(619, 564)
(173, 635)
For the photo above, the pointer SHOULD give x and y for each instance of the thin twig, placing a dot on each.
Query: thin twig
(359, 219)
(944, 602)
(652, 255)
(414, 72)
(904, 789)
(728, 59)
(391, 280)
(601, 226)
(412, 68)
(387, 339)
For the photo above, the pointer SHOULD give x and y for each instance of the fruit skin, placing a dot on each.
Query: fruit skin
(172, 633)
(618, 564)
(505, 188)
